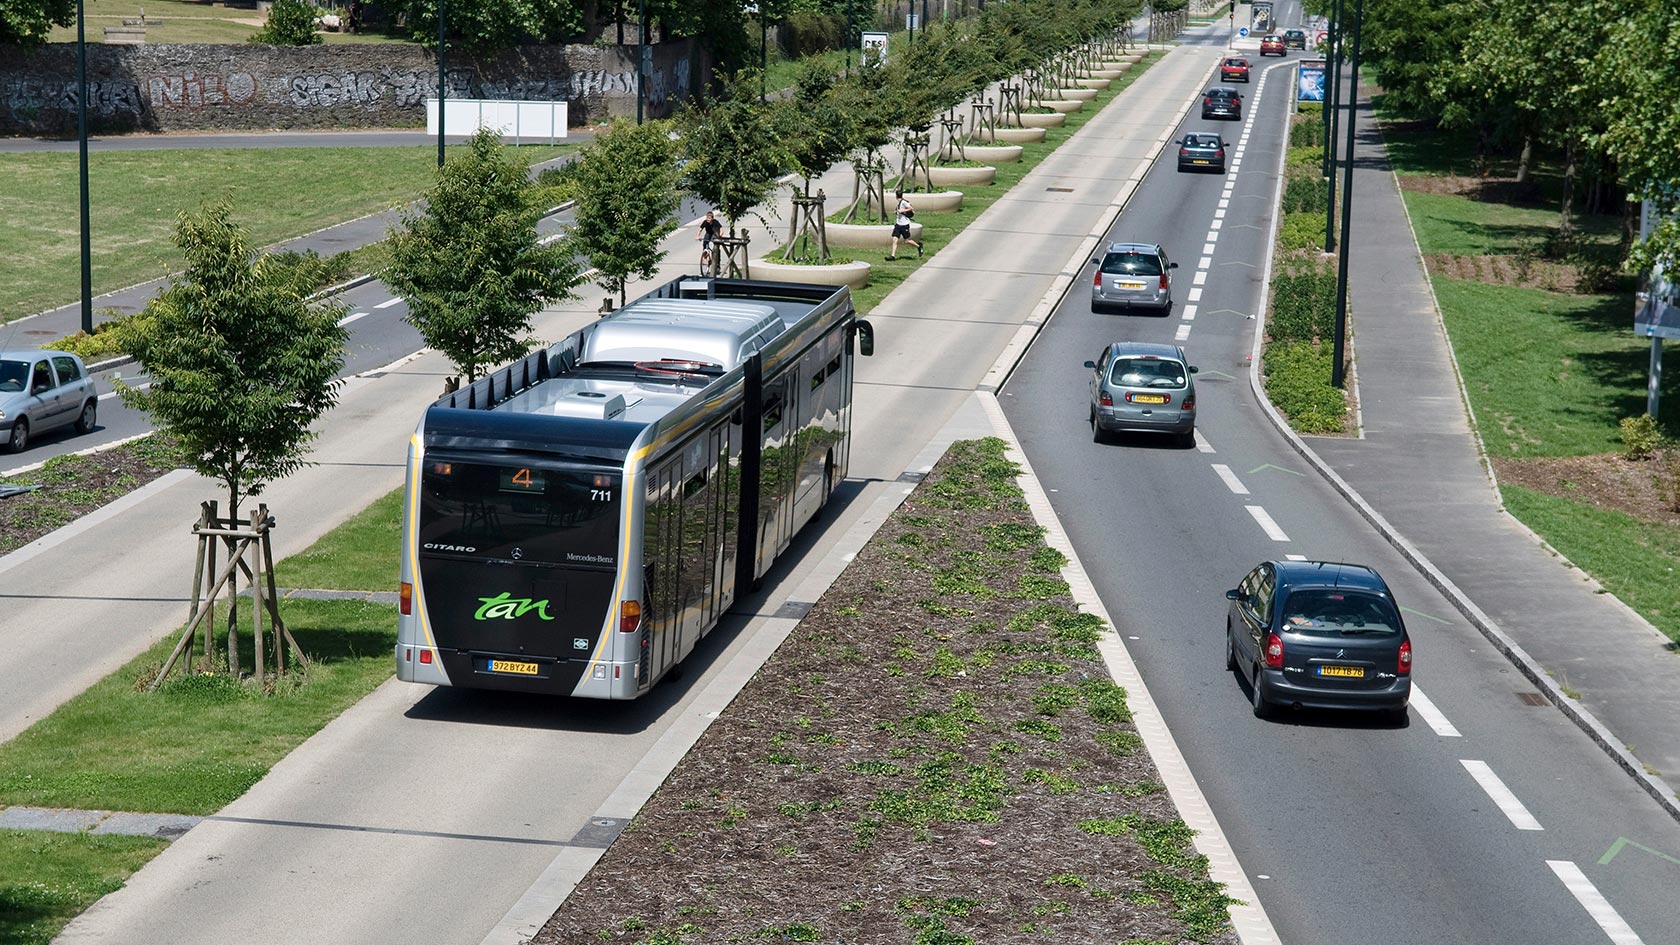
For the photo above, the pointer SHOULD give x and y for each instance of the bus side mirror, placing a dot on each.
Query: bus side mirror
(865, 336)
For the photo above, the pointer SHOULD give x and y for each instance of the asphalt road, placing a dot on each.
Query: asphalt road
(1352, 830)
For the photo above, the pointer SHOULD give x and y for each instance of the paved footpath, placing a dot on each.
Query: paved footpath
(424, 816)
(1419, 464)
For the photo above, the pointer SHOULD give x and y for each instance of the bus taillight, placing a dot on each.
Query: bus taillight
(405, 598)
(629, 615)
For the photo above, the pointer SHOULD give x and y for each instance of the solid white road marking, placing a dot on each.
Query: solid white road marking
(1231, 480)
(350, 318)
(1182, 333)
(1202, 445)
(1189, 313)
(1434, 717)
(1594, 902)
(388, 303)
(1266, 524)
(1502, 797)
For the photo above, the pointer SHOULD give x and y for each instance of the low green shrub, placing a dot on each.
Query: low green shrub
(1640, 437)
(805, 34)
(1303, 304)
(1298, 383)
(1307, 132)
(1310, 108)
(556, 185)
(110, 338)
(1301, 231)
(1305, 157)
(1305, 192)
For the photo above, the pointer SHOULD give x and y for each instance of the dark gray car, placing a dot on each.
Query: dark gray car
(1138, 386)
(1318, 634)
(41, 391)
(1132, 275)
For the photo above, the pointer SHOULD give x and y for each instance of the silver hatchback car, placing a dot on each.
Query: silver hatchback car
(42, 390)
(1137, 385)
(1132, 275)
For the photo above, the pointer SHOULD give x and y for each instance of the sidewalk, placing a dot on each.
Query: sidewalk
(1419, 463)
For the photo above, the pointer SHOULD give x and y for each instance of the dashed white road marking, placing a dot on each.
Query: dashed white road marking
(1502, 796)
(1220, 213)
(1204, 262)
(1202, 445)
(1296, 557)
(1195, 295)
(1216, 225)
(1432, 716)
(1207, 249)
(389, 302)
(1189, 313)
(1231, 480)
(1594, 902)
(350, 318)
(1182, 333)
(1266, 524)
(1201, 277)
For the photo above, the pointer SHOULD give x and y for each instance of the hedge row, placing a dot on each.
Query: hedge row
(1303, 304)
(1298, 383)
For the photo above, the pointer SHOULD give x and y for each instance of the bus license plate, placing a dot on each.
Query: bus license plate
(517, 667)
(1349, 672)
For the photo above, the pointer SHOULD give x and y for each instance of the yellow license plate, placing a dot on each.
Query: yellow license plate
(1131, 285)
(1349, 672)
(1149, 398)
(1198, 161)
(513, 666)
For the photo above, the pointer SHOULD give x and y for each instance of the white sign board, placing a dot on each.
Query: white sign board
(520, 121)
(912, 21)
(875, 47)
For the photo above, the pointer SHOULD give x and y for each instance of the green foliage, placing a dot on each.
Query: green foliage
(734, 152)
(1306, 191)
(814, 123)
(1307, 133)
(27, 22)
(1640, 437)
(241, 366)
(1303, 304)
(1298, 383)
(48, 878)
(488, 25)
(1301, 231)
(626, 201)
(470, 264)
(290, 23)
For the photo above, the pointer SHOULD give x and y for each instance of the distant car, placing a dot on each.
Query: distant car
(1233, 69)
(1132, 275)
(41, 391)
(1272, 45)
(1295, 39)
(1201, 151)
(1317, 634)
(1221, 102)
(1139, 386)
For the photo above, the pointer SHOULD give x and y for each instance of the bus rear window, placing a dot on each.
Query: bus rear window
(528, 513)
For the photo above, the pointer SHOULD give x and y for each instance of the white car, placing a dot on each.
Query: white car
(41, 391)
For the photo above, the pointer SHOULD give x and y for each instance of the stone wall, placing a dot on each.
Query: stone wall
(371, 85)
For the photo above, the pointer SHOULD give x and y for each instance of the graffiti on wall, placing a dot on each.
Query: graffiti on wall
(106, 98)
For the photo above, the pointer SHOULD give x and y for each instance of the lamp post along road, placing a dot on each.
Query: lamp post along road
(1338, 42)
(641, 57)
(441, 42)
(82, 136)
(1337, 372)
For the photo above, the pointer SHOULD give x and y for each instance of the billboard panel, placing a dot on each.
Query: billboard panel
(1656, 306)
(1309, 82)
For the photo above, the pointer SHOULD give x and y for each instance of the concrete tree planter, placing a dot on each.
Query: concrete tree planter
(1120, 67)
(867, 235)
(1133, 57)
(1039, 120)
(993, 153)
(1060, 106)
(1110, 73)
(1078, 95)
(956, 177)
(1019, 135)
(1093, 83)
(854, 274)
(945, 201)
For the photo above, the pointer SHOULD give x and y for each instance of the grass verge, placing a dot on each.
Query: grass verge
(936, 754)
(136, 195)
(73, 486)
(46, 879)
(190, 21)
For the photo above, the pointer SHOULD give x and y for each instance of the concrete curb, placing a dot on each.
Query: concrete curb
(1501, 641)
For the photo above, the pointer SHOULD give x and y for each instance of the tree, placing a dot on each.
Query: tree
(487, 25)
(470, 264)
(1641, 62)
(813, 122)
(734, 154)
(290, 23)
(626, 200)
(241, 363)
(27, 22)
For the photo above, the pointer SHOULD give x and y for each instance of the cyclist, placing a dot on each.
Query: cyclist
(710, 229)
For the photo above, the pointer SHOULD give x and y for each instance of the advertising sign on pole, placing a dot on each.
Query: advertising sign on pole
(1309, 82)
(875, 48)
(1657, 303)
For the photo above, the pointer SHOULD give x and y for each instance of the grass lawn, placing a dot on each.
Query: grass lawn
(1548, 374)
(187, 21)
(1446, 223)
(1636, 561)
(135, 197)
(361, 555)
(47, 878)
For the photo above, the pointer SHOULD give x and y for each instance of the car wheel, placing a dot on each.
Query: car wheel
(1230, 651)
(89, 418)
(1262, 707)
(1187, 439)
(20, 436)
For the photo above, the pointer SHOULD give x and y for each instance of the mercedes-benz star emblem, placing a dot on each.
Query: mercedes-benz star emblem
(518, 553)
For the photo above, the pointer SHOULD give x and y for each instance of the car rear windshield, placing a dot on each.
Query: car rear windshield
(1334, 612)
(1158, 373)
(1201, 141)
(1136, 264)
(13, 374)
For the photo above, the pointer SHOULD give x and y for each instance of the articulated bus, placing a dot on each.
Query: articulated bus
(575, 522)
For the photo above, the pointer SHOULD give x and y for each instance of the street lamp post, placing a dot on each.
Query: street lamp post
(82, 136)
(641, 57)
(1337, 372)
(441, 42)
(1338, 39)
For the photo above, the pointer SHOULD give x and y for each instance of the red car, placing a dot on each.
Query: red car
(1272, 45)
(1233, 70)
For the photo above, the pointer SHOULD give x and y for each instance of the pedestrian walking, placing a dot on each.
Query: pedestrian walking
(901, 226)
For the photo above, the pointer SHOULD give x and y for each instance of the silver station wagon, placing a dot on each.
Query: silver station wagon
(1137, 386)
(41, 391)
(1132, 275)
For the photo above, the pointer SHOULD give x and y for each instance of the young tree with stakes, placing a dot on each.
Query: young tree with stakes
(626, 201)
